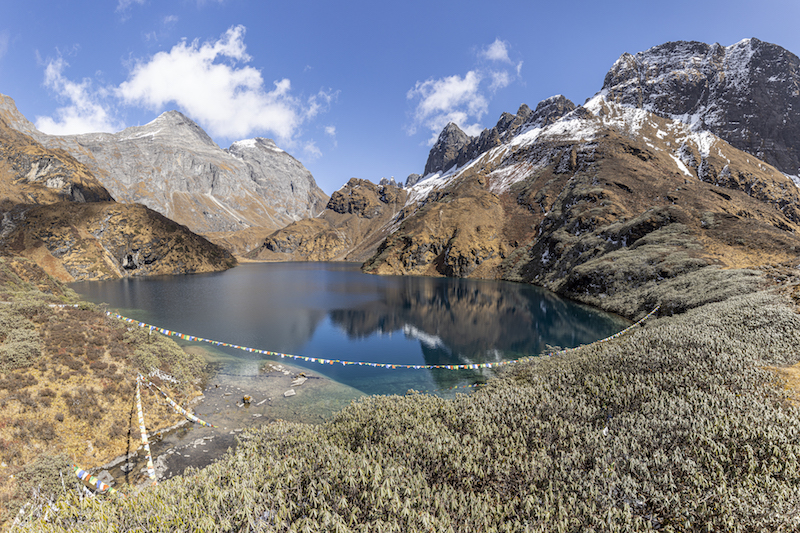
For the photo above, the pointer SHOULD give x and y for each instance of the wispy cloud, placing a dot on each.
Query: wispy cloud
(311, 151)
(124, 5)
(462, 99)
(87, 108)
(5, 38)
(330, 131)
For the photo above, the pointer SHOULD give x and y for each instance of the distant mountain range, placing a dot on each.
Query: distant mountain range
(172, 166)
(681, 164)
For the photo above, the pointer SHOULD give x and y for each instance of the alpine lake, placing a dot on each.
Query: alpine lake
(331, 312)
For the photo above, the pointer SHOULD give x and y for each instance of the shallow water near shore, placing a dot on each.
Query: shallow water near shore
(313, 401)
(334, 311)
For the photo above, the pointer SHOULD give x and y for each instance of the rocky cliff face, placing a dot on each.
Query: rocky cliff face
(173, 167)
(354, 222)
(106, 240)
(55, 212)
(34, 174)
(747, 93)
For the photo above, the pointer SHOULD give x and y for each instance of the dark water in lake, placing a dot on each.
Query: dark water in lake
(334, 311)
(331, 311)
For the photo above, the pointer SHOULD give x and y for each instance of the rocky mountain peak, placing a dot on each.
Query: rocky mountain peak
(173, 167)
(747, 93)
(456, 148)
(549, 110)
(11, 115)
(258, 143)
(172, 125)
(443, 155)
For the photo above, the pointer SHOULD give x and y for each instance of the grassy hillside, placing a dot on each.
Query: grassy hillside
(678, 426)
(67, 378)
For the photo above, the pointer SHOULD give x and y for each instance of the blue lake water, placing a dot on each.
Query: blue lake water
(334, 311)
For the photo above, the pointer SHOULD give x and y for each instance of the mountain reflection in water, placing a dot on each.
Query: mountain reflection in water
(333, 311)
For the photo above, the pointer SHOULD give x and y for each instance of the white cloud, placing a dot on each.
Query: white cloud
(211, 83)
(461, 100)
(87, 111)
(450, 99)
(330, 131)
(320, 102)
(311, 150)
(500, 80)
(497, 51)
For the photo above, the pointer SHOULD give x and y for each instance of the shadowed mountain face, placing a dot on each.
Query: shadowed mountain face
(172, 166)
(747, 93)
(56, 213)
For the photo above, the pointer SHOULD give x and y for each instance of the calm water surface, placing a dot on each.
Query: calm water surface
(330, 311)
(334, 311)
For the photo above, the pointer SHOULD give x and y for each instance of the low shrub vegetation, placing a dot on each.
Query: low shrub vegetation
(676, 426)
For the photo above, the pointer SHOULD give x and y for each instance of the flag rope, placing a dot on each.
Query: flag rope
(323, 361)
(151, 470)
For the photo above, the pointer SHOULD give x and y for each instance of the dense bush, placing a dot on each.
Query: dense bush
(157, 351)
(21, 344)
(675, 427)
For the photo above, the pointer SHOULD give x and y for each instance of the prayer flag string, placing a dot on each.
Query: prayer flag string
(177, 408)
(86, 477)
(472, 366)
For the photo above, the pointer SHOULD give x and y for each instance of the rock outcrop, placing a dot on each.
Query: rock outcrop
(173, 167)
(354, 222)
(34, 174)
(412, 180)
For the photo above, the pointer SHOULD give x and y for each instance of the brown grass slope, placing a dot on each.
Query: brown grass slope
(351, 227)
(67, 381)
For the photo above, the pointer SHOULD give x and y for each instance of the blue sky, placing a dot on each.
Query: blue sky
(352, 89)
